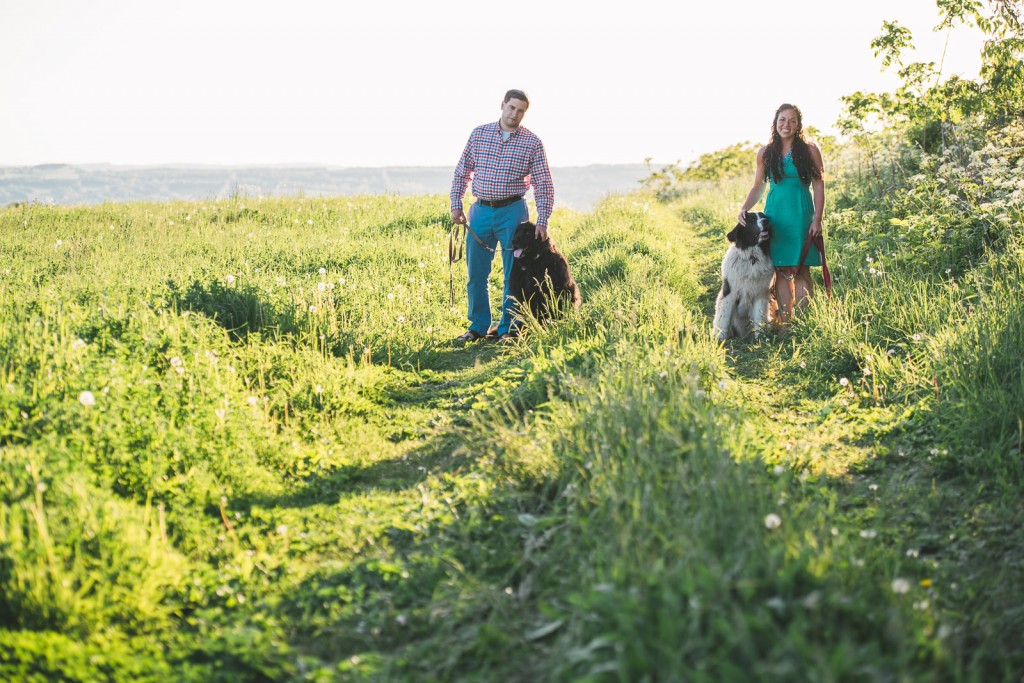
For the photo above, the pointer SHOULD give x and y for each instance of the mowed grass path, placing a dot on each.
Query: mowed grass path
(238, 444)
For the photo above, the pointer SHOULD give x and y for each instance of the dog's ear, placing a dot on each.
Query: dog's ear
(734, 233)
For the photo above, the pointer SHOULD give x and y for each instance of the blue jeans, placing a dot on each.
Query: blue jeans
(493, 226)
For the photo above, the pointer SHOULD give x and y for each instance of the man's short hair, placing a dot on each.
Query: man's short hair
(516, 95)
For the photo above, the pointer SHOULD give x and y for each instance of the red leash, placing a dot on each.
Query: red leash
(819, 242)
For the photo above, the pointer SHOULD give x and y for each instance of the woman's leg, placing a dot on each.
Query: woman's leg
(803, 286)
(784, 291)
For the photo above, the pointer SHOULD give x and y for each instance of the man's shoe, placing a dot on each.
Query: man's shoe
(469, 336)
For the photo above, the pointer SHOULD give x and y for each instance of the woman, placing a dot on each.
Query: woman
(793, 168)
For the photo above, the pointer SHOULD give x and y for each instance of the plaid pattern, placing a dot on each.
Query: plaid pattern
(501, 169)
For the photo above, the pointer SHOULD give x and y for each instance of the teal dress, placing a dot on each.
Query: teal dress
(791, 210)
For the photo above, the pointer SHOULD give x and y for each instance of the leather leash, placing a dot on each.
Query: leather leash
(819, 242)
(456, 249)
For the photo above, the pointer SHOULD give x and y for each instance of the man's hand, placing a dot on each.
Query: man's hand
(541, 232)
(458, 217)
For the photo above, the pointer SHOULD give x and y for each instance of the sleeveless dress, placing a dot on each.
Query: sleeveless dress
(791, 210)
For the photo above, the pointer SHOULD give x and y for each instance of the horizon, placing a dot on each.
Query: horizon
(246, 84)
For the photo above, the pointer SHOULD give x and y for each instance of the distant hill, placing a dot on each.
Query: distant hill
(576, 187)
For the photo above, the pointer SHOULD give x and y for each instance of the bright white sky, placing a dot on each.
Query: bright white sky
(402, 82)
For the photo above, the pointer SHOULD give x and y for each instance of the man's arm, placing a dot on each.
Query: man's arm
(543, 189)
(463, 172)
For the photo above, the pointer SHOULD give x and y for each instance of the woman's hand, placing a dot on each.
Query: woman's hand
(815, 228)
(742, 218)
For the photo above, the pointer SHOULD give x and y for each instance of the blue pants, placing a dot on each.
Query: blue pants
(493, 226)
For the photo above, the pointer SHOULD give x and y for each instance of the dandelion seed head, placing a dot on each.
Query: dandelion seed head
(868, 533)
(900, 586)
(772, 521)
(87, 399)
(844, 382)
(323, 271)
(229, 278)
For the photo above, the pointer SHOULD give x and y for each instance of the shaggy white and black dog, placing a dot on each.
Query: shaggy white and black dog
(747, 275)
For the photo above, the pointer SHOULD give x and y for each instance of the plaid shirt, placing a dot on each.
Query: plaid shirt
(501, 169)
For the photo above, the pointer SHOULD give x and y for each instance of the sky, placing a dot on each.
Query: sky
(402, 83)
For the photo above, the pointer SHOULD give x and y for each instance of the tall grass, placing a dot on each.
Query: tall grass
(237, 444)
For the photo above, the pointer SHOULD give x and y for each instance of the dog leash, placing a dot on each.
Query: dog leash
(819, 242)
(456, 249)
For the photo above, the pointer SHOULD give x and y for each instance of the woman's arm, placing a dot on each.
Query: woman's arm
(818, 191)
(756, 189)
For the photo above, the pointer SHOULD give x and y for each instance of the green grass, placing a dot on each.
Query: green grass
(287, 472)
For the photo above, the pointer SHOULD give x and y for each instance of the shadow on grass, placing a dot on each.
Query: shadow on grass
(239, 310)
(439, 453)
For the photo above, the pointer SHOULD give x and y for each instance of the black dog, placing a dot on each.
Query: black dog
(540, 276)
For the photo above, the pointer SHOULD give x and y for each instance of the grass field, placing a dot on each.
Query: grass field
(237, 444)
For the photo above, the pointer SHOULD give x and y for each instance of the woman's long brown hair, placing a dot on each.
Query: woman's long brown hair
(805, 166)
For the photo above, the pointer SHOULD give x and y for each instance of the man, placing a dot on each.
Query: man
(504, 160)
